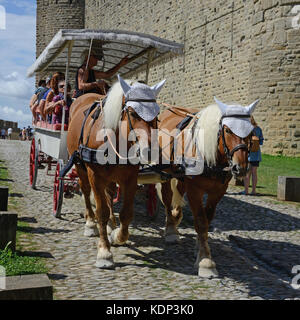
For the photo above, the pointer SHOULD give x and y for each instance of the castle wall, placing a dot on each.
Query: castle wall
(236, 50)
(53, 15)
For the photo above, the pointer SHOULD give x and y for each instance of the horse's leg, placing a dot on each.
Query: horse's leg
(120, 235)
(90, 228)
(104, 256)
(172, 198)
(112, 223)
(211, 204)
(206, 266)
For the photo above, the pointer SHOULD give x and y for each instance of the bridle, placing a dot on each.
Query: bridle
(241, 146)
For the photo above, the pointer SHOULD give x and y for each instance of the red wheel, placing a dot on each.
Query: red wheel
(153, 203)
(58, 190)
(33, 163)
(117, 198)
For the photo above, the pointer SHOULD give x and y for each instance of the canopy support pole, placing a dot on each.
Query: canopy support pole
(149, 60)
(66, 85)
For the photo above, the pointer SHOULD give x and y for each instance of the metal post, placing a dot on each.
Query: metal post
(66, 85)
(150, 58)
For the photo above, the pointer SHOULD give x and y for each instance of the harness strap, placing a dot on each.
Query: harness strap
(87, 113)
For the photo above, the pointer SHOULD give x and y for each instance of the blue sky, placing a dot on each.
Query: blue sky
(17, 53)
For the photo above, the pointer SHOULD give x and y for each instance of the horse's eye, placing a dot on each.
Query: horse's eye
(228, 131)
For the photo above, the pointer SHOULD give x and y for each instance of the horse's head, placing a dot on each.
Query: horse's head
(235, 135)
(140, 112)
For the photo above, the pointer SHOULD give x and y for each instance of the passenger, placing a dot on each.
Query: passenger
(42, 99)
(86, 82)
(34, 99)
(52, 92)
(59, 102)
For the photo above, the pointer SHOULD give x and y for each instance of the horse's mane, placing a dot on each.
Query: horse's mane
(113, 106)
(206, 133)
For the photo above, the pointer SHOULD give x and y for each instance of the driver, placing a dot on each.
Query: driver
(86, 82)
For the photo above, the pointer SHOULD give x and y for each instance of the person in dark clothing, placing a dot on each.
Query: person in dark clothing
(86, 77)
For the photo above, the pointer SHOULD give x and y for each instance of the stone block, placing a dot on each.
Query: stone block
(27, 287)
(8, 229)
(288, 188)
(3, 198)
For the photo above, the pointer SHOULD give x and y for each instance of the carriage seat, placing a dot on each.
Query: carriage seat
(54, 127)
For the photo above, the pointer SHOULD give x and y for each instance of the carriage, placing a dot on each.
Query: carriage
(48, 146)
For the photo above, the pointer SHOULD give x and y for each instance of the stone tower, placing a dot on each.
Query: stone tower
(53, 15)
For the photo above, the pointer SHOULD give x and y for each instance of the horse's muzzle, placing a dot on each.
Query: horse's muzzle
(238, 171)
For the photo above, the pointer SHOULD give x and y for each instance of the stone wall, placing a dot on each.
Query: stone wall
(53, 15)
(237, 50)
(9, 124)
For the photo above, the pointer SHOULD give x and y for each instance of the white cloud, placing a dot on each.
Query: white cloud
(15, 85)
(16, 115)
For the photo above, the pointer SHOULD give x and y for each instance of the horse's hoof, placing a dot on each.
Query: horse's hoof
(113, 238)
(208, 273)
(105, 264)
(91, 231)
(172, 238)
(207, 269)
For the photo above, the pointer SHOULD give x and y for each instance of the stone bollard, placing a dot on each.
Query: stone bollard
(27, 287)
(3, 198)
(8, 229)
(288, 188)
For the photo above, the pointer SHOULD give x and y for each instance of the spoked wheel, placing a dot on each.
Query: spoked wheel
(33, 163)
(58, 190)
(153, 202)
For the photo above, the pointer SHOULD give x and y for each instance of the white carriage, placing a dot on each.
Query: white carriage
(63, 54)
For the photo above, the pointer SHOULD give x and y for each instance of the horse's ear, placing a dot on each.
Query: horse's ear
(124, 85)
(222, 106)
(156, 88)
(252, 106)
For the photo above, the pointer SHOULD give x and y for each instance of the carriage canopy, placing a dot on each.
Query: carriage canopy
(111, 45)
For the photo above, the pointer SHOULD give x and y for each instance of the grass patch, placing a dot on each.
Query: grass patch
(273, 166)
(16, 264)
(270, 168)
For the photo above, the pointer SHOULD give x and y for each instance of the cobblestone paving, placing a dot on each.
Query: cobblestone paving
(255, 244)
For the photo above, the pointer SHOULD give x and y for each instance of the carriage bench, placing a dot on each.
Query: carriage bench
(288, 188)
(8, 229)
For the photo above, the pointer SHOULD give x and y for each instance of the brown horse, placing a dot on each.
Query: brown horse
(116, 121)
(222, 135)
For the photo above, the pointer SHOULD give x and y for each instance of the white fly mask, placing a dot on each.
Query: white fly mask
(142, 98)
(240, 126)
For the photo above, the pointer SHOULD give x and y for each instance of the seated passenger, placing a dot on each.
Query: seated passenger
(40, 102)
(34, 99)
(59, 102)
(85, 81)
(51, 93)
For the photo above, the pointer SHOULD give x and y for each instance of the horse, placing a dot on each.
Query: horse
(222, 134)
(128, 111)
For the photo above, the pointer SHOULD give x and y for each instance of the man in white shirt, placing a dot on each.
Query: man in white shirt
(9, 132)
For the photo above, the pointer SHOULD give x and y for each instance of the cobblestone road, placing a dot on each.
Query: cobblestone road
(255, 244)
